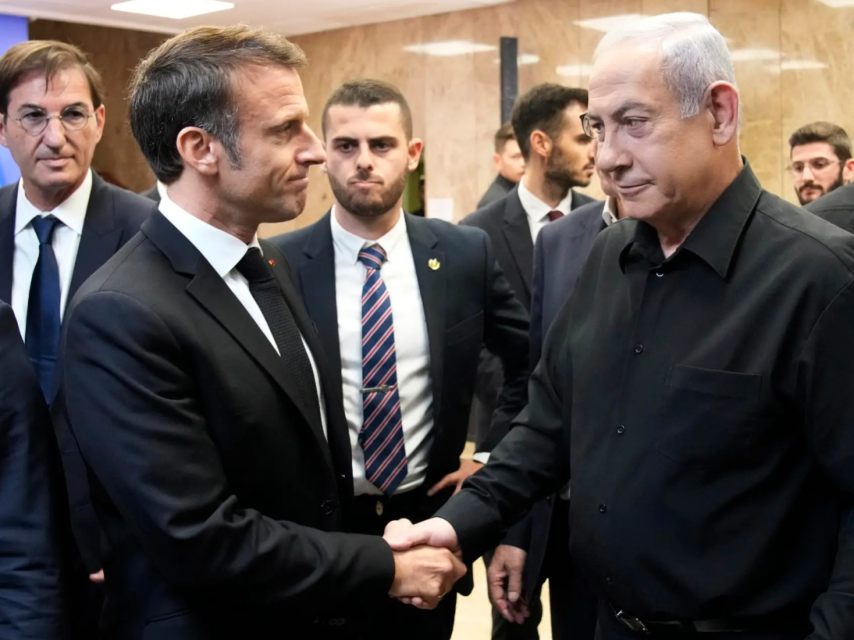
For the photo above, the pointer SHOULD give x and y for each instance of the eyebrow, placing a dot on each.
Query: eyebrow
(40, 108)
(625, 108)
(386, 139)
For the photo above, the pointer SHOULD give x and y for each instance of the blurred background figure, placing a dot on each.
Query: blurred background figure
(509, 164)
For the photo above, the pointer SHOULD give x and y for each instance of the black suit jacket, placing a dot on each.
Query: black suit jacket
(499, 188)
(151, 194)
(506, 223)
(467, 302)
(836, 207)
(221, 498)
(32, 570)
(113, 217)
(560, 252)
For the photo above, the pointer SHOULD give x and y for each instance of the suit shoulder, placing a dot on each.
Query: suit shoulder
(119, 268)
(448, 232)
(130, 207)
(838, 199)
(292, 242)
(486, 216)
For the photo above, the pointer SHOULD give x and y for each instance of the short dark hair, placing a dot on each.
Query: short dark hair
(828, 132)
(367, 93)
(541, 109)
(504, 135)
(47, 57)
(188, 82)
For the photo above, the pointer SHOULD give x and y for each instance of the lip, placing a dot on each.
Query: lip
(55, 162)
(362, 183)
(300, 182)
(632, 189)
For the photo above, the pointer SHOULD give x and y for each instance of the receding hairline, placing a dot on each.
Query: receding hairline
(401, 116)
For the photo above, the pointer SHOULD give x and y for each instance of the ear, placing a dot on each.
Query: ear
(199, 150)
(496, 160)
(541, 144)
(416, 146)
(100, 115)
(3, 120)
(722, 103)
(847, 170)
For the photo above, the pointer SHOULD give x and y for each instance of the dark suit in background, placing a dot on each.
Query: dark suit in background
(33, 514)
(836, 207)
(499, 188)
(113, 217)
(467, 302)
(152, 194)
(218, 490)
(559, 254)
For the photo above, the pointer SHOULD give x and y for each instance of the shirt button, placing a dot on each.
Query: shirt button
(602, 508)
(638, 349)
(621, 429)
(659, 274)
(328, 507)
(380, 508)
(608, 581)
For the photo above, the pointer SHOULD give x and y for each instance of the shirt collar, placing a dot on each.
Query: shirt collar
(536, 208)
(608, 215)
(350, 245)
(716, 236)
(71, 212)
(161, 189)
(221, 249)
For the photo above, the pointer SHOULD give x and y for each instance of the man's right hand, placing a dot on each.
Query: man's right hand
(504, 578)
(423, 575)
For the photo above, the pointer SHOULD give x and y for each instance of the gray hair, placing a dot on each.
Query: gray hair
(693, 54)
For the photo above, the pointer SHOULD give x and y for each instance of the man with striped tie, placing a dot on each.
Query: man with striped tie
(401, 305)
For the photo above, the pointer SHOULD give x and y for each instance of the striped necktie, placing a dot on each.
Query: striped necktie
(381, 436)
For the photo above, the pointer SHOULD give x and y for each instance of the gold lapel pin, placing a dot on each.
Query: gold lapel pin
(434, 264)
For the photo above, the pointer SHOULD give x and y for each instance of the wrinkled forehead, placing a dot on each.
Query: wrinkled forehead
(623, 74)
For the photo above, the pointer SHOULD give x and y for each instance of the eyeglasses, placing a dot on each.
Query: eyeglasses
(816, 165)
(35, 122)
(594, 131)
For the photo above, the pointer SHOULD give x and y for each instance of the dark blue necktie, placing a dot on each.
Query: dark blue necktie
(43, 317)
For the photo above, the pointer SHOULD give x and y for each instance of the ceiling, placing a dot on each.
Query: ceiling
(290, 17)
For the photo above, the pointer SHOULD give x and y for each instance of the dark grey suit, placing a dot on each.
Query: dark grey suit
(836, 207)
(499, 188)
(151, 194)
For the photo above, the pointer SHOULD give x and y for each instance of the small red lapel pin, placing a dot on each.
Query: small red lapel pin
(272, 262)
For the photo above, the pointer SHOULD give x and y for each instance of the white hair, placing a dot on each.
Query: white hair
(693, 54)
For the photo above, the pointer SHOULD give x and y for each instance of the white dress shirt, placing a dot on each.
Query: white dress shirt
(411, 344)
(608, 215)
(538, 211)
(65, 242)
(223, 251)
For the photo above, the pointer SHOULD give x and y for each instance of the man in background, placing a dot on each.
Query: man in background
(509, 164)
(821, 160)
(558, 156)
(58, 224)
(402, 305)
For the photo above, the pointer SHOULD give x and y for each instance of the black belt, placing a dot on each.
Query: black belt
(718, 625)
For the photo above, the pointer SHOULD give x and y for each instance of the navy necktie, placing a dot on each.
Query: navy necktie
(43, 314)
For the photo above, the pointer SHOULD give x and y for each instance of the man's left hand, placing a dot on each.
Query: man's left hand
(467, 468)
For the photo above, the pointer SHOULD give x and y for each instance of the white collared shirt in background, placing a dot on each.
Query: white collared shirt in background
(65, 242)
(538, 211)
(411, 342)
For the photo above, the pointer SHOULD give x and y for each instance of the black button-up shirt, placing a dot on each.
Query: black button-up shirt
(704, 407)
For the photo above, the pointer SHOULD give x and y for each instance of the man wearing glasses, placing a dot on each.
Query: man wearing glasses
(58, 225)
(821, 160)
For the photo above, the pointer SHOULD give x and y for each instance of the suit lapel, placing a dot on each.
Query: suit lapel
(8, 205)
(433, 285)
(317, 284)
(211, 292)
(101, 236)
(517, 233)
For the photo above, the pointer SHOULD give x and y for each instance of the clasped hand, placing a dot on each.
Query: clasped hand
(426, 561)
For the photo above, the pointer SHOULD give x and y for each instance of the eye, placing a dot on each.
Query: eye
(345, 146)
(74, 116)
(32, 117)
(634, 123)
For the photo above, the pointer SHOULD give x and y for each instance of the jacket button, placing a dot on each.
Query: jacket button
(638, 349)
(328, 507)
(603, 508)
(621, 429)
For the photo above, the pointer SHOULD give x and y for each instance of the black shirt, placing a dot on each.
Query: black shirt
(836, 207)
(705, 407)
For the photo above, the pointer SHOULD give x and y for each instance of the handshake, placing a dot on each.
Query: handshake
(427, 561)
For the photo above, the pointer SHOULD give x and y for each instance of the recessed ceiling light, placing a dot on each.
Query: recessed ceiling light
(836, 4)
(573, 70)
(449, 48)
(176, 9)
(609, 22)
(801, 65)
(528, 58)
(754, 55)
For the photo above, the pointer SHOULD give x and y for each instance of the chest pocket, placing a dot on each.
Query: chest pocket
(709, 417)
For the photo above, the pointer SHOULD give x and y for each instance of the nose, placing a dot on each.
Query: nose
(54, 134)
(365, 160)
(313, 151)
(609, 155)
(807, 173)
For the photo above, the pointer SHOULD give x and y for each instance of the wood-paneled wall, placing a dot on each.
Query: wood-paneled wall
(455, 99)
(115, 53)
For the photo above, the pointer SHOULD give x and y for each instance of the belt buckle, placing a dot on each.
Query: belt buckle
(632, 623)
